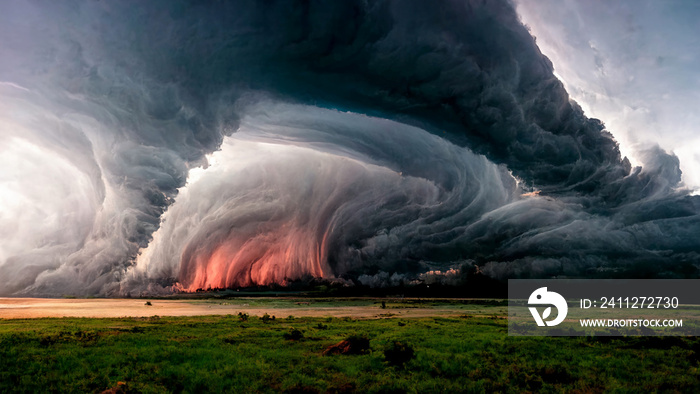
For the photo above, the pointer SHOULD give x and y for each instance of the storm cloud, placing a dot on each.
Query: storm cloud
(180, 145)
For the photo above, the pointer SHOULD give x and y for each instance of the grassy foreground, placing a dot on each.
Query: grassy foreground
(228, 354)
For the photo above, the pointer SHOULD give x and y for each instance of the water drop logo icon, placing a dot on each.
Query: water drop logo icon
(543, 297)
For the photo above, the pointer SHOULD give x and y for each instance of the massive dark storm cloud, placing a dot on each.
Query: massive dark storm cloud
(176, 145)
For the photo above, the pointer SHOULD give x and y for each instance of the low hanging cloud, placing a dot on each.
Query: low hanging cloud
(176, 145)
(308, 192)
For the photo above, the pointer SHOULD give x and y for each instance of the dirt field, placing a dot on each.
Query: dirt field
(25, 308)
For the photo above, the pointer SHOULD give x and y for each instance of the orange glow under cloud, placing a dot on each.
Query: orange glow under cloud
(270, 258)
(531, 194)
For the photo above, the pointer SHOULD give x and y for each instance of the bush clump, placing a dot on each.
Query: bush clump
(355, 344)
(294, 335)
(399, 353)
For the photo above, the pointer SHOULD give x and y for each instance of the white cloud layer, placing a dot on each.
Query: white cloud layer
(632, 64)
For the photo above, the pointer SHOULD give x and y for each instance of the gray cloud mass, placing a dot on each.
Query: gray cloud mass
(175, 145)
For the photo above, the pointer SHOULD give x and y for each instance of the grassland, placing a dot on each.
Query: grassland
(470, 352)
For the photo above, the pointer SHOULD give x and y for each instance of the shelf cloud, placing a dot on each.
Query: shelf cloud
(175, 146)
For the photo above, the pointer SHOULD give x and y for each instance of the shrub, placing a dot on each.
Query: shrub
(399, 353)
(355, 344)
(294, 335)
(242, 316)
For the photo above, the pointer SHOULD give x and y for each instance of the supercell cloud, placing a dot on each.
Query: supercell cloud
(175, 145)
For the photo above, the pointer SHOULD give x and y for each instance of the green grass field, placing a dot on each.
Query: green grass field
(227, 354)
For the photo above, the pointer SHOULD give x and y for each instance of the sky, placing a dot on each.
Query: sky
(167, 146)
(632, 64)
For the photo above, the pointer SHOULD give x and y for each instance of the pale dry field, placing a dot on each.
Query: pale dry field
(27, 308)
